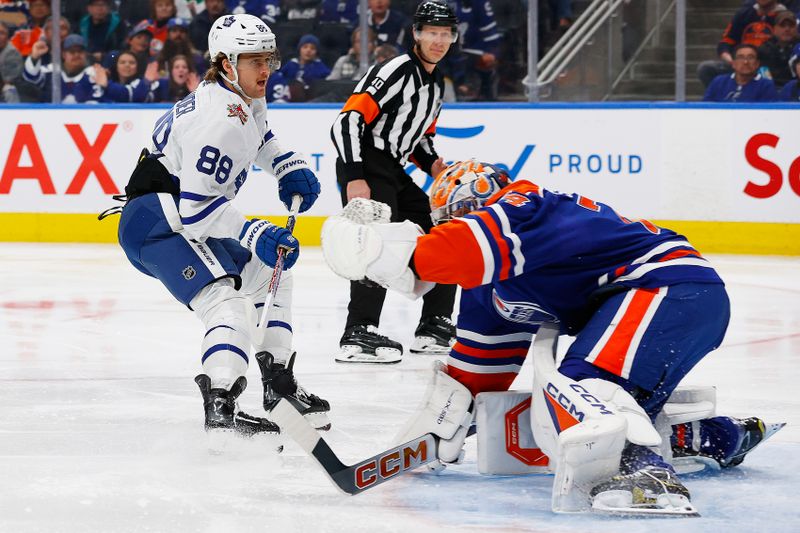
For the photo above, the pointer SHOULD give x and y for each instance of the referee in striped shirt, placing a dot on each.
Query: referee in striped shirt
(388, 120)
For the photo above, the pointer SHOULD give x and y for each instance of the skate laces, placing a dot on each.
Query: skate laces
(372, 330)
(300, 392)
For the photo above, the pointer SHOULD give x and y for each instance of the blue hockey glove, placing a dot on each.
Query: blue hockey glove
(294, 177)
(264, 239)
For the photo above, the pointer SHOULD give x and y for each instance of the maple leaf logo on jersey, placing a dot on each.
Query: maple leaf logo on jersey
(235, 110)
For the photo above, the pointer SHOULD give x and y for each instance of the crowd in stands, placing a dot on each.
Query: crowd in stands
(759, 55)
(156, 50)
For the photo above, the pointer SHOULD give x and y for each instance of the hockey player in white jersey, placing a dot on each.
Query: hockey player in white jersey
(180, 226)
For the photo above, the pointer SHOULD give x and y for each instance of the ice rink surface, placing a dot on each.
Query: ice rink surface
(101, 422)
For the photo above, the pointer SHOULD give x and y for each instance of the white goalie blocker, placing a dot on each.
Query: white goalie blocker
(361, 243)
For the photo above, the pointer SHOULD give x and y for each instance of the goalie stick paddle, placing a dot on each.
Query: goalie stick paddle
(276, 273)
(363, 475)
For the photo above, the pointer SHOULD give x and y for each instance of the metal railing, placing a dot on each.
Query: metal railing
(654, 37)
(597, 16)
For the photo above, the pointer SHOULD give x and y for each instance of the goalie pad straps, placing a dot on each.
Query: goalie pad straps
(690, 403)
(640, 430)
(447, 410)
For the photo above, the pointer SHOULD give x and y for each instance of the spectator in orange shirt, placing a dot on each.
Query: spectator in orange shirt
(24, 40)
(161, 11)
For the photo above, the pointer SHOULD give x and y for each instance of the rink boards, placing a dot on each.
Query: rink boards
(728, 177)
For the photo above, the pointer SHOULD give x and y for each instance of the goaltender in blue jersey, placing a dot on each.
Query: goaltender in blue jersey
(643, 305)
(179, 224)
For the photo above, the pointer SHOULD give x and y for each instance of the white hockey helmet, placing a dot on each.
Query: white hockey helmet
(463, 187)
(242, 34)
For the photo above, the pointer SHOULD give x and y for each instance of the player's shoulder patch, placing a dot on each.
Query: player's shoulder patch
(236, 110)
(515, 199)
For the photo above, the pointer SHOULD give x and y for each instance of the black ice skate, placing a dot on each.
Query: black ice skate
(752, 432)
(363, 344)
(434, 336)
(279, 382)
(222, 412)
(650, 491)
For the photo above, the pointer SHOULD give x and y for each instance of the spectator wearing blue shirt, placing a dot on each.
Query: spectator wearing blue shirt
(182, 80)
(474, 67)
(119, 86)
(791, 91)
(73, 64)
(267, 10)
(278, 88)
(339, 11)
(304, 69)
(745, 84)
(390, 26)
(201, 23)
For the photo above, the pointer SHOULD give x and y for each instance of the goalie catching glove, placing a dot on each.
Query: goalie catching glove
(361, 243)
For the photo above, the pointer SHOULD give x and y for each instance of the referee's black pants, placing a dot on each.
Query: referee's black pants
(390, 184)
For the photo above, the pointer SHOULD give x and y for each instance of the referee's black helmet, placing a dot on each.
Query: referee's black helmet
(434, 13)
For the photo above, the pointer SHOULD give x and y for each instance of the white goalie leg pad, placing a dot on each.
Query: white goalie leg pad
(505, 440)
(640, 429)
(447, 410)
(582, 436)
(226, 315)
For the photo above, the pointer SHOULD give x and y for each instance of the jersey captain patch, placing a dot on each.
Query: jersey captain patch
(235, 110)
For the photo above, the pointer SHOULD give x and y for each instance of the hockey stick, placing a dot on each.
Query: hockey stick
(276, 273)
(356, 478)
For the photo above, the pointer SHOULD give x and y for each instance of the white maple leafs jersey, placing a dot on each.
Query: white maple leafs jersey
(209, 141)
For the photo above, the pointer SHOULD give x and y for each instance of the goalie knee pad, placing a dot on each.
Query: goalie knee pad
(447, 411)
(226, 315)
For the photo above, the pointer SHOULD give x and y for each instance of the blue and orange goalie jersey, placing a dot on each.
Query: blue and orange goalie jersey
(561, 253)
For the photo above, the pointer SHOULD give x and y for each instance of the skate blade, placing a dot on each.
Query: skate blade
(269, 440)
(620, 503)
(695, 464)
(771, 429)
(354, 354)
(220, 440)
(319, 420)
(428, 346)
